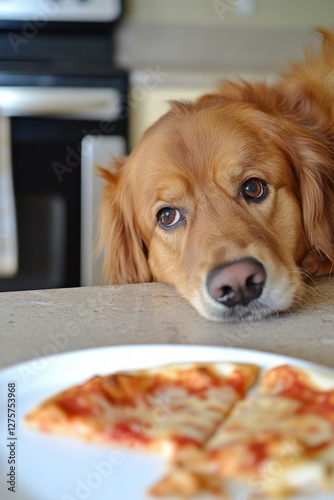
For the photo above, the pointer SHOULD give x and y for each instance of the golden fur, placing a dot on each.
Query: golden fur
(198, 158)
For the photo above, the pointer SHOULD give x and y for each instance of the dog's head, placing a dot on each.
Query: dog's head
(227, 199)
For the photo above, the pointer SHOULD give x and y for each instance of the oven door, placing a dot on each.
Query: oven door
(58, 135)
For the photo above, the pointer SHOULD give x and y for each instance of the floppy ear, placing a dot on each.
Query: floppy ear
(314, 169)
(306, 100)
(124, 252)
(309, 147)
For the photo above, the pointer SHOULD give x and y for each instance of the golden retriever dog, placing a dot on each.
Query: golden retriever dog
(231, 198)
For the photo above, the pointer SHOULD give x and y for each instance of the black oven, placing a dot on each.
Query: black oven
(63, 111)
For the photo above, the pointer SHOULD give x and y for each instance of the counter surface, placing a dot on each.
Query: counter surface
(35, 324)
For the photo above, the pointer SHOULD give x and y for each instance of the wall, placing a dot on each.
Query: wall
(268, 13)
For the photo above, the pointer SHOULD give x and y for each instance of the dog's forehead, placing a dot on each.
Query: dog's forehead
(204, 137)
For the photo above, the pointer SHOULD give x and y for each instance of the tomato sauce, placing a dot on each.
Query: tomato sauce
(72, 406)
(258, 450)
(128, 430)
(312, 400)
(183, 441)
(237, 383)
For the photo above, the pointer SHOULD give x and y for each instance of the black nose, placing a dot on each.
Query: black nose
(237, 283)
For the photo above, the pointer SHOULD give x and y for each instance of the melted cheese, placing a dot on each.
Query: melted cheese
(272, 416)
(161, 408)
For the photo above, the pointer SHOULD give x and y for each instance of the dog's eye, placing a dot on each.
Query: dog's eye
(169, 216)
(254, 190)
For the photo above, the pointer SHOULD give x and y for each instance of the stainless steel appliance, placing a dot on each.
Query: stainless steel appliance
(40, 11)
(66, 106)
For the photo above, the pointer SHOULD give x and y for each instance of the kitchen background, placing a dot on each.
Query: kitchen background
(195, 43)
(80, 80)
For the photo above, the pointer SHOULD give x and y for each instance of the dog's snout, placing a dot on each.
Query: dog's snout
(237, 283)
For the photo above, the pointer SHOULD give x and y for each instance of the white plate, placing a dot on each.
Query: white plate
(57, 468)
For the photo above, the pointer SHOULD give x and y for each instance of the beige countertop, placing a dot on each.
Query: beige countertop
(35, 324)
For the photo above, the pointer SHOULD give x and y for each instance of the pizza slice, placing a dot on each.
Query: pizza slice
(161, 409)
(275, 443)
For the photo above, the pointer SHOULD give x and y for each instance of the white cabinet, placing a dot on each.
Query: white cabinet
(149, 97)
